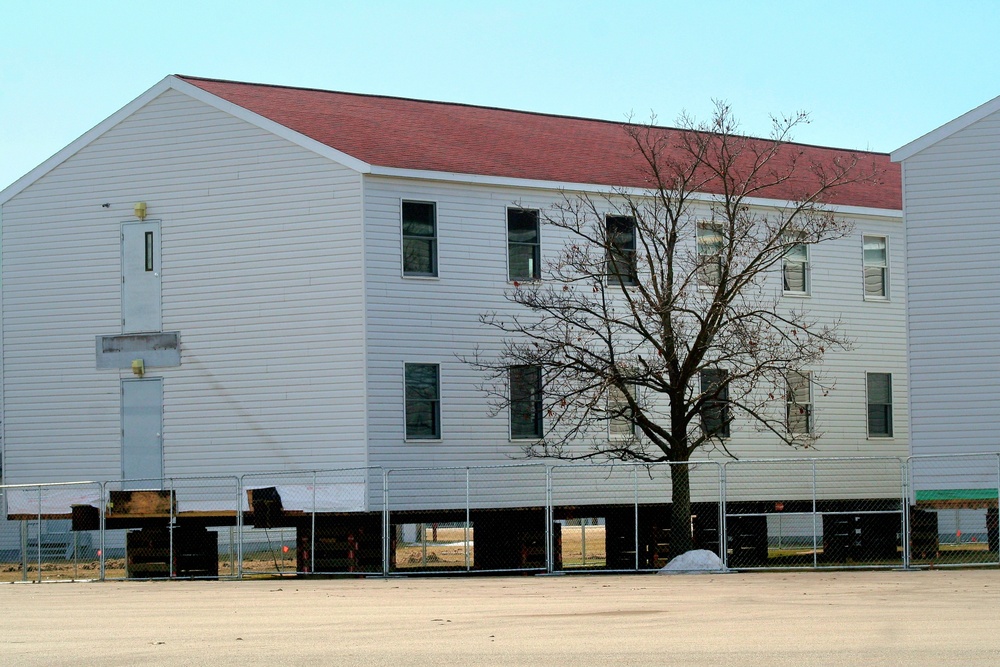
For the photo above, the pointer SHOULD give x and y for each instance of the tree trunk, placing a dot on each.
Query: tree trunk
(680, 510)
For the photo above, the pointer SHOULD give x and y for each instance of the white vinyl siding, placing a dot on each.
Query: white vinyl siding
(952, 203)
(261, 253)
(438, 322)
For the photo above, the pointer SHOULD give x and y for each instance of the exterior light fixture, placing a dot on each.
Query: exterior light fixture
(140, 210)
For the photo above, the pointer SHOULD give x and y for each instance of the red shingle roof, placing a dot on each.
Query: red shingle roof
(437, 136)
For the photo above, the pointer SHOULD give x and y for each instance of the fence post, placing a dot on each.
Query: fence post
(312, 530)
(905, 475)
(38, 543)
(723, 544)
(549, 564)
(815, 546)
(635, 504)
(102, 505)
(170, 527)
(386, 525)
(998, 510)
(241, 491)
(468, 515)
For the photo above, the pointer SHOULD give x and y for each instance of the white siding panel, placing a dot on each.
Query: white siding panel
(436, 321)
(261, 264)
(952, 204)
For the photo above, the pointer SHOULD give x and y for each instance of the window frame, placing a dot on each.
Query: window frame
(534, 395)
(703, 264)
(890, 415)
(806, 268)
(433, 240)
(791, 403)
(435, 404)
(721, 403)
(614, 249)
(884, 267)
(537, 246)
(613, 406)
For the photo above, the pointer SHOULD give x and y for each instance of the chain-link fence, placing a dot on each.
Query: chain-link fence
(316, 522)
(953, 515)
(52, 532)
(529, 517)
(617, 516)
(176, 527)
(845, 512)
(462, 519)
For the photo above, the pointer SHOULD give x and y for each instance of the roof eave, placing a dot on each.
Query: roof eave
(945, 131)
(603, 189)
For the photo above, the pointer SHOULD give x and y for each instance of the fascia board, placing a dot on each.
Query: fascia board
(945, 131)
(269, 125)
(607, 190)
(87, 137)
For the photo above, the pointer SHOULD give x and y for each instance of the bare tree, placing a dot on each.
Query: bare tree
(660, 320)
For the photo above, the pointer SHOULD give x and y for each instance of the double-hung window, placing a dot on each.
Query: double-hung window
(621, 425)
(709, 254)
(621, 266)
(879, 405)
(795, 269)
(798, 402)
(876, 263)
(525, 402)
(715, 417)
(523, 248)
(423, 401)
(419, 239)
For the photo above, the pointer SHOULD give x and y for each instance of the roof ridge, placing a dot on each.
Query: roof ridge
(467, 105)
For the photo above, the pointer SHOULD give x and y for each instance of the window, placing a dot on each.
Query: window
(621, 249)
(795, 269)
(525, 402)
(876, 268)
(620, 423)
(880, 405)
(419, 239)
(798, 399)
(715, 416)
(709, 255)
(523, 250)
(423, 401)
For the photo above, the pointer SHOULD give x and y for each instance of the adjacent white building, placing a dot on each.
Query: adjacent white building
(951, 203)
(213, 281)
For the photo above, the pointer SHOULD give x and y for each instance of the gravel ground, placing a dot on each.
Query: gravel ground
(802, 618)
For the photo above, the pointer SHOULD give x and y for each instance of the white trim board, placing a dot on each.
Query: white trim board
(945, 131)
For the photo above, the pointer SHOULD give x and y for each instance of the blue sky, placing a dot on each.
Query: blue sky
(873, 75)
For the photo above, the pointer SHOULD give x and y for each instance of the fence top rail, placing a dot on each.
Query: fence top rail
(164, 481)
(637, 464)
(274, 473)
(818, 459)
(498, 466)
(46, 484)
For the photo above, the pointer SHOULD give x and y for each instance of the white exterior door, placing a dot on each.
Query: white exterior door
(142, 418)
(141, 277)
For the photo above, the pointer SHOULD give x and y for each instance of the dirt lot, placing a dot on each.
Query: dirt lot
(774, 619)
